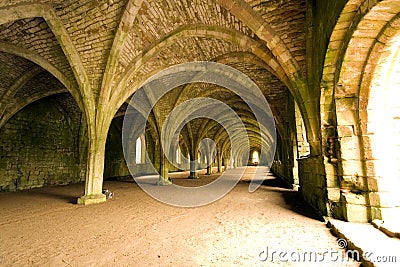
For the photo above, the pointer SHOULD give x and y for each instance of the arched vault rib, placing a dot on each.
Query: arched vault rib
(226, 143)
(263, 30)
(245, 114)
(250, 57)
(348, 91)
(251, 133)
(278, 121)
(6, 98)
(350, 18)
(25, 102)
(234, 58)
(22, 11)
(246, 117)
(121, 93)
(251, 126)
(42, 62)
(351, 77)
(122, 34)
(308, 105)
(17, 84)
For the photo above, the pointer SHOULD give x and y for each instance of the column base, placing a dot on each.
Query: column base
(91, 199)
(162, 181)
(193, 175)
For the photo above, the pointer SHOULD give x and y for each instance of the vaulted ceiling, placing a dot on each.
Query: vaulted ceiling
(101, 51)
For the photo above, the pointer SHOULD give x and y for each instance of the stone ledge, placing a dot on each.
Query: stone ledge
(91, 199)
(364, 238)
(388, 229)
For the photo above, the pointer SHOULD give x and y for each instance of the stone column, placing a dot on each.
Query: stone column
(209, 164)
(239, 162)
(231, 163)
(219, 163)
(163, 169)
(226, 163)
(193, 166)
(95, 169)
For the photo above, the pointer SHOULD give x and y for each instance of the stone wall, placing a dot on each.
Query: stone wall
(281, 170)
(282, 165)
(313, 186)
(322, 17)
(115, 165)
(115, 162)
(37, 149)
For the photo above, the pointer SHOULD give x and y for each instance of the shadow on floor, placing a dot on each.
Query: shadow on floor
(57, 195)
(293, 199)
(124, 179)
(297, 204)
(276, 182)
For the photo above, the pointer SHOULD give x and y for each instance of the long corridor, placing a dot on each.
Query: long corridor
(43, 227)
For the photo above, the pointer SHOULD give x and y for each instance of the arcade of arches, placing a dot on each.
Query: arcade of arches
(329, 70)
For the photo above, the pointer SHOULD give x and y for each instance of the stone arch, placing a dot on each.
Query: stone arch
(265, 32)
(378, 114)
(195, 69)
(12, 13)
(228, 35)
(349, 67)
(217, 32)
(346, 24)
(42, 62)
(84, 94)
(120, 93)
(237, 57)
(121, 35)
(25, 102)
(308, 106)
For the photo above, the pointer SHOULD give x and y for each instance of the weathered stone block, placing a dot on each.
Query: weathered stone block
(351, 198)
(352, 168)
(350, 148)
(334, 194)
(346, 130)
(356, 213)
(347, 117)
(332, 181)
(372, 183)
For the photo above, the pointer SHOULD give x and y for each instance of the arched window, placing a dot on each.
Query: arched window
(256, 157)
(138, 151)
(178, 155)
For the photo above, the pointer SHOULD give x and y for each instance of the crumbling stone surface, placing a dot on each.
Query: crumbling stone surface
(37, 149)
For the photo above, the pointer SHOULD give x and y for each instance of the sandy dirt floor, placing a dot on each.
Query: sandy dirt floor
(42, 227)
